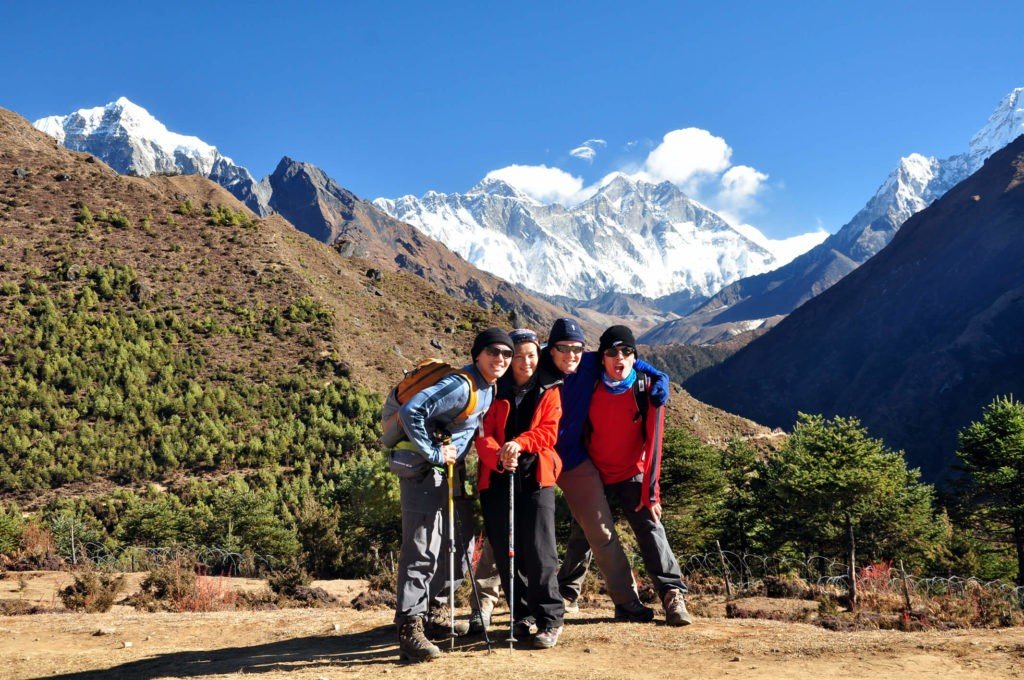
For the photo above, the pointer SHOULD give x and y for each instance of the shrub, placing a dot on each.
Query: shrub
(286, 581)
(92, 592)
(176, 587)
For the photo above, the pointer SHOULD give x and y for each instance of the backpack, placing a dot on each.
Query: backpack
(426, 373)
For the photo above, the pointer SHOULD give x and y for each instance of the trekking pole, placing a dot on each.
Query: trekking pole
(476, 595)
(511, 558)
(451, 550)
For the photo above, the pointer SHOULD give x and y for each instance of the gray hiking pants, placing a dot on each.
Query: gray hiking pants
(423, 560)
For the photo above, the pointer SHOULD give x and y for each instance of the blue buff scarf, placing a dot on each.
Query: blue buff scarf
(619, 386)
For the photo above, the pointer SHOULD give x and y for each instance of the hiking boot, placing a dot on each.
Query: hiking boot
(675, 609)
(413, 645)
(547, 638)
(439, 625)
(525, 627)
(634, 612)
(572, 606)
(479, 622)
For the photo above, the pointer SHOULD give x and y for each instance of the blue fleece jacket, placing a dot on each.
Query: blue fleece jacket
(577, 390)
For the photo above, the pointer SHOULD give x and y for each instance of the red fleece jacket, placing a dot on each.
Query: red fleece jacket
(540, 438)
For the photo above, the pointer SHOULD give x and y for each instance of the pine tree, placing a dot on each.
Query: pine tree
(992, 450)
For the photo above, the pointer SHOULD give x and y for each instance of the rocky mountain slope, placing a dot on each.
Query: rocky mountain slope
(915, 341)
(764, 299)
(304, 195)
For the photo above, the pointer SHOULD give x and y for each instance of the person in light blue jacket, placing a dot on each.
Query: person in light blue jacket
(433, 430)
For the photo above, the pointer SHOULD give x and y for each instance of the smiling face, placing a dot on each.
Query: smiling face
(493, 362)
(566, 355)
(620, 362)
(524, 362)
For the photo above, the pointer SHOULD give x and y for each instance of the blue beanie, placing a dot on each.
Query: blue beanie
(566, 329)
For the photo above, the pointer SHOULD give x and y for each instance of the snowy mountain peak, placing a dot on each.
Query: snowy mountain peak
(125, 117)
(629, 237)
(131, 141)
(493, 186)
(1004, 125)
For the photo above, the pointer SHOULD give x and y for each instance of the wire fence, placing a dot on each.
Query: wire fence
(712, 573)
(210, 559)
(749, 573)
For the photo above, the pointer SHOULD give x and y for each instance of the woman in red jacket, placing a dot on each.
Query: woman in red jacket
(518, 438)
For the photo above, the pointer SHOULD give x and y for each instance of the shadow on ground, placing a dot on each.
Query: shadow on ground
(365, 649)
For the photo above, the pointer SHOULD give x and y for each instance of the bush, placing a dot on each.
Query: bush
(288, 580)
(92, 592)
(176, 587)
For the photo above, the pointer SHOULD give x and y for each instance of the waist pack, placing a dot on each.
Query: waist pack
(405, 461)
(426, 373)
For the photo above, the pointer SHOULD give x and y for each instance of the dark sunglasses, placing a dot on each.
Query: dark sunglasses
(565, 349)
(624, 352)
(498, 351)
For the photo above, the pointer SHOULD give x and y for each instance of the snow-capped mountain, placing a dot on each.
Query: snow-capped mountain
(131, 141)
(912, 186)
(629, 237)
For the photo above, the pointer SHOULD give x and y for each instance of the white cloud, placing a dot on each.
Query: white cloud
(684, 155)
(693, 159)
(785, 250)
(588, 150)
(583, 152)
(539, 182)
(740, 184)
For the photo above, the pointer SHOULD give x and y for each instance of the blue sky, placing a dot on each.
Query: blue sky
(816, 101)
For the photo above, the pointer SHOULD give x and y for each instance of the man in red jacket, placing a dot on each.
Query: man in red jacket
(624, 443)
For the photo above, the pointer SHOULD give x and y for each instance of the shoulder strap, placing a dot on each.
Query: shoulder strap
(471, 402)
(641, 393)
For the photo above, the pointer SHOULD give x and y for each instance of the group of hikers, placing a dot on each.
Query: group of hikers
(590, 423)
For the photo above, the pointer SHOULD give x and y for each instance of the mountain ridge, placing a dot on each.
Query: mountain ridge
(764, 299)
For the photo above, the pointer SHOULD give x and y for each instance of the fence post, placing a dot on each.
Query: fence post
(906, 587)
(725, 572)
(853, 563)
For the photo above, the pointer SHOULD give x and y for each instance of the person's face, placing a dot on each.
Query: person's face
(493, 362)
(567, 354)
(618, 361)
(524, 362)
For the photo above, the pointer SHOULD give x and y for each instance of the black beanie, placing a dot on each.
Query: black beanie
(565, 329)
(491, 336)
(615, 336)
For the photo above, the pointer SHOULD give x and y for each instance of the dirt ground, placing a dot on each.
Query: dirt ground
(342, 643)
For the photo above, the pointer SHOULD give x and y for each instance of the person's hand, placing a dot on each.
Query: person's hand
(658, 393)
(449, 453)
(655, 510)
(509, 455)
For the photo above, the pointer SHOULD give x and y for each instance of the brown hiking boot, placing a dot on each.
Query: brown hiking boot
(413, 645)
(675, 609)
(439, 624)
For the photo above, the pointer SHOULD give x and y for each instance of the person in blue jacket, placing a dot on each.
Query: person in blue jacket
(429, 420)
(593, 528)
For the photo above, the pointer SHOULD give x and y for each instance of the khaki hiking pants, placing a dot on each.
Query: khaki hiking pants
(593, 532)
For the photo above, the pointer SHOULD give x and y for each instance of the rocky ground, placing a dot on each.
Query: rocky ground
(342, 642)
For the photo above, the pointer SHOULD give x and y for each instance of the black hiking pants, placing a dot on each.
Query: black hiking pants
(536, 580)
